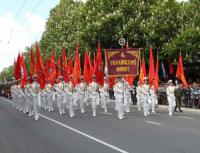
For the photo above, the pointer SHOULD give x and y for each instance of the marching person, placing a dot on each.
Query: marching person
(178, 95)
(119, 96)
(145, 97)
(69, 97)
(127, 96)
(138, 96)
(35, 92)
(170, 96)
(104, 95)
(81, 87)
(94, 96)
(114, 90)
(154, 98)
(60, 95)
(49, 94)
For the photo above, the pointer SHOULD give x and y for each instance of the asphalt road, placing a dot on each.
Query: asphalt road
(53, 133)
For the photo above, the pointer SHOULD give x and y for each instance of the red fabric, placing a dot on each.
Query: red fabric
(70, 66)
(99, 67)
(17, 68)
(77, 67)
(52, 69)
(59, 68)
(142, 71)
(129, 79)
(151, 67)
(64, 65)
(87, 68)
(94, 64)
(23, 71)
(111, 81)
(40, 68)
(47, 69)
(180, 72)
(156, 83)
(32, 66)
(171, 68)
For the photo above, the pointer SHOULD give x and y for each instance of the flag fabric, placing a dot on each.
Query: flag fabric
(156, 83)
(59, 73)
(52, 69)
(40, 71)
(47, 69)
(111, 81)
(99, 67)
(180, 72)
(17, 68)
(142, 71)
(94, 65)
(64, 66)
(77, 67)
(23, 71)
(32, 66)
(129, 79)
(171, 69)
(151, 67)
(164, 73)
(87, 68)
(70, 66)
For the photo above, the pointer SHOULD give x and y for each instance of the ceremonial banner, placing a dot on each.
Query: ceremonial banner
(122, 62)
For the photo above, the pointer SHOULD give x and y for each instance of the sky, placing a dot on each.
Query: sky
(21, 24)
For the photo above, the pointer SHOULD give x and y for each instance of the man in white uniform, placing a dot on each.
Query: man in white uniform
(170, 97)
(138, 96)
(49, 94)
(119, 97)
(104, 95)
(94, 96)
(127, 96)
(35, 92)
(153, 95)
(145, 93)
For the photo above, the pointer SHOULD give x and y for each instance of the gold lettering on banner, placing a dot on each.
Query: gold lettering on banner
(111, 54)
(122, 69)
(123, 62)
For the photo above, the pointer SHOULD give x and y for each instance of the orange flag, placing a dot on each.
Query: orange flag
(40, 68)
(87, 68)
(64, 65)
(77, 67)
(70, 66)
(156, 83)
(142, 71)
(151, 68)
(17, 68)
(52, 69)
(99, 67)
(180, 72)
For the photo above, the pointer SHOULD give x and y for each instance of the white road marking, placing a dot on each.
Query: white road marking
(190, 118)
(107, 113)
(80, 132)
(155, 123)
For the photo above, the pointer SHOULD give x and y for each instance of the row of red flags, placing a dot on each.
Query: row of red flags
(65, 68)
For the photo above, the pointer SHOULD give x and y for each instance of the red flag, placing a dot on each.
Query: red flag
(17, 68)
(129, 79)
(77, 67)
(156, 83)
(94, 64)
(47, 69)
(171, 68)
(111, 81)
(23, 71)
(99, 67)
(142, 71)
(32, 66)
(59, 68)
(64, 65)
(52, 69)
(180, 72)
(87, 68)
(40, 68)
(151, 67)
(70, 66)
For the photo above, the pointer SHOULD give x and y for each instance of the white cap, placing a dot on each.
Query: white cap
(170, 81)
(145, 78)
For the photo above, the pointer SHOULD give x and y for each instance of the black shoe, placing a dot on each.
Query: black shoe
(181, 110)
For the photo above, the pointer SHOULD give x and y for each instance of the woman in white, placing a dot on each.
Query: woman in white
(170, 97)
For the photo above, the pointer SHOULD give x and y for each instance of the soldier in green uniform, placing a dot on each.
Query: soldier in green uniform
(178, 94)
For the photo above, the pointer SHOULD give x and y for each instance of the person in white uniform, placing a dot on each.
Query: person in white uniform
(94, 94)
(145, 96)
(170, 90)
(119, 97)
(35, 92)
(49, 94)
(153, 95)
(104, 95)
(127, 96)
(138, 96)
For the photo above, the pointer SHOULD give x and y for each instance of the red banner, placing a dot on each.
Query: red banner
(122, 62)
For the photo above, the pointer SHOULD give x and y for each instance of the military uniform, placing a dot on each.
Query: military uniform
(170, 97)
(178, 95)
